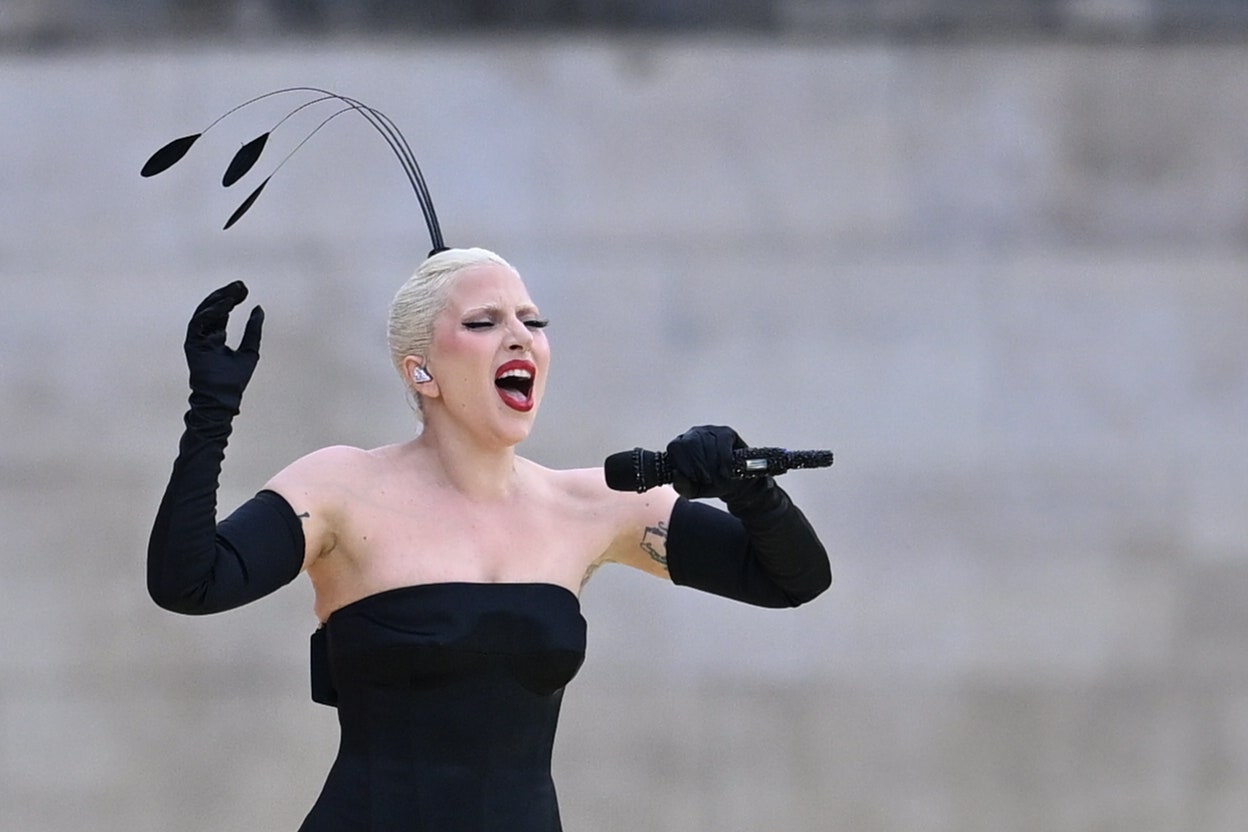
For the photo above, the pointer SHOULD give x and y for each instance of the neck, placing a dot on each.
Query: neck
(476, 470)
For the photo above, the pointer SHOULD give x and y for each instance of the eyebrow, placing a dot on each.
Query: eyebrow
(494, 309)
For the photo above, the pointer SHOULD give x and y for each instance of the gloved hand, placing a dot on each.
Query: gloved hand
(701, 460)
(219, 374)
(771, 557)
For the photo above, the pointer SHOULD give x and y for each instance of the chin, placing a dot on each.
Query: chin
(518, 426)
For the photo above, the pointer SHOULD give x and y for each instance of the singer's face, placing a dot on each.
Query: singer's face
(489, 354)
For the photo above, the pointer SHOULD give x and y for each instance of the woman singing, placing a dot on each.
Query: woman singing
(447, 567)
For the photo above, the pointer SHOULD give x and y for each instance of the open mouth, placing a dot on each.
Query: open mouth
(514, 382)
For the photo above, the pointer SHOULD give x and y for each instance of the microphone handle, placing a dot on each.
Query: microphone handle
(640, 470)
(749, 463)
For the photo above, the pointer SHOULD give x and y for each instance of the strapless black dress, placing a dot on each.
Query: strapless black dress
(448, 696)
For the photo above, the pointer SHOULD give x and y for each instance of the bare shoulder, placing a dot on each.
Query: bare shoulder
(332, 469)
(587, 488)
(333, 460)
(318, 487)
(580, 484)
(637, 522)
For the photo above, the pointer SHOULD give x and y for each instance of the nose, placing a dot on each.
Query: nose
(520, 337)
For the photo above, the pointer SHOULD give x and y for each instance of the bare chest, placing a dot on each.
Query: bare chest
(428, 536)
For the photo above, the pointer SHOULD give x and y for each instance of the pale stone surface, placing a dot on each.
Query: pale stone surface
(1005, 285)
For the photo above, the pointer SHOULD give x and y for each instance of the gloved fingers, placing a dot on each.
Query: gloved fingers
(684, 456)
(715, 446)
(680, 461)
(250, 343)
(726, 441)
(702, 461)
(684, 487)
(210, 317)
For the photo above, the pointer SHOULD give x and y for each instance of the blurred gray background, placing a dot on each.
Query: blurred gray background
(991, 253)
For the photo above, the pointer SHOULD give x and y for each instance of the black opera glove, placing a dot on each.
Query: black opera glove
(219, 374)
(763, 552)
(701, 461)
(196, 566)
(702, 464)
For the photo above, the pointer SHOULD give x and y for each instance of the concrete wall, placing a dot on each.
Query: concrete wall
(45, 24)
(1006, 286)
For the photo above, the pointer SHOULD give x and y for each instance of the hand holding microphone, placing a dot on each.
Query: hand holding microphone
(763, 550)
(706, 461)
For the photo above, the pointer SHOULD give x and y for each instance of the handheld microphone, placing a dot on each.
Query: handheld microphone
(640, 470)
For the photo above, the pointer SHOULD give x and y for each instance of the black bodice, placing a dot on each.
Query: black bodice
(448, 697)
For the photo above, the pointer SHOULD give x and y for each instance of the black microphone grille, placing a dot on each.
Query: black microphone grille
(620, 470)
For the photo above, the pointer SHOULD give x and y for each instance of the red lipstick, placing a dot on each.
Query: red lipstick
(514, 383)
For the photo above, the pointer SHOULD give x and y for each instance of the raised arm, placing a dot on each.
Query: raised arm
(762, 551)
(195, 565)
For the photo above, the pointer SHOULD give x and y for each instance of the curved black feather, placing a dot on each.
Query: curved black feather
(244, 159)
(247, 156)
(242, 209)
(169, 155)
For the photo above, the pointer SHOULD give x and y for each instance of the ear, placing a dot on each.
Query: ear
(418, 378)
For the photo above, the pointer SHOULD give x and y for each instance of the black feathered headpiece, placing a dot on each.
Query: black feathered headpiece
(249, 154)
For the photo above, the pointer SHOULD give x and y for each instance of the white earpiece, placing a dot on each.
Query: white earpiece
(420, 375)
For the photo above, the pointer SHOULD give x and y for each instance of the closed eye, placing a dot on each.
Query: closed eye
(540, 323)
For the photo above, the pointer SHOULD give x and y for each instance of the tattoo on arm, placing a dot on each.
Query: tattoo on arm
(654, 543)
(593, 567)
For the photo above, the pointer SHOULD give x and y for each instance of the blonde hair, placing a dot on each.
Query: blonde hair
(419, 301)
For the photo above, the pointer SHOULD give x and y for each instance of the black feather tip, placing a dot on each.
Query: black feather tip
(244, 159)
(169, 155)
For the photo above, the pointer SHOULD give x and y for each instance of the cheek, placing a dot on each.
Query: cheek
(447, 339)
(541, 347)
(541, 356)
(455, 350)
